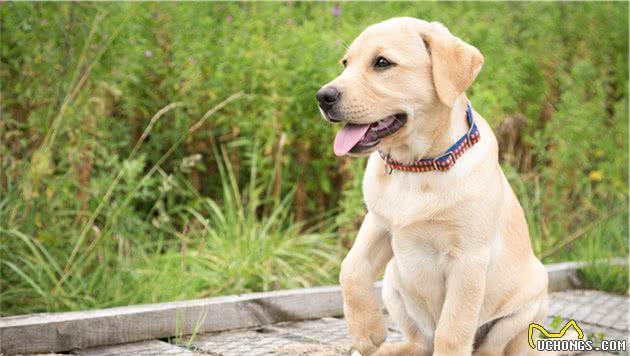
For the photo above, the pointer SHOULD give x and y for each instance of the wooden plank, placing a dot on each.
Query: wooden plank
(78, 330)
(563, 276)
(142, 348)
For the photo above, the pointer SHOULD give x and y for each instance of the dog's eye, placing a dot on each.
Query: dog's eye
(381, 62)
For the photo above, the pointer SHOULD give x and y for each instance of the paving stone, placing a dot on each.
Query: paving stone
(143, 348)
(594, 307)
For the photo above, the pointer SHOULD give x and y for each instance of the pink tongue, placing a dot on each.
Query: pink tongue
(348, 137)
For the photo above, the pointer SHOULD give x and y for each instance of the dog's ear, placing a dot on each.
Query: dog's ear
(455, 62)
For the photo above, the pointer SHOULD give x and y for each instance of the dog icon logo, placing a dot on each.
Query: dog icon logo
(550, 335)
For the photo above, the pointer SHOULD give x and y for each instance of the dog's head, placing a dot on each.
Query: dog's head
(397, 73)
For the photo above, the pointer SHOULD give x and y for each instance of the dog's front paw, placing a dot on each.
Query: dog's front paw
(367, 331)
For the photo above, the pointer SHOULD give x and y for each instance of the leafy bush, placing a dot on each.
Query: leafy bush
(99, 197)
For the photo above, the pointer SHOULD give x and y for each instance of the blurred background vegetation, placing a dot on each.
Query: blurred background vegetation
(120, 184)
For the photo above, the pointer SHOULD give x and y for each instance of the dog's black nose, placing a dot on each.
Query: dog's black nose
(327, 97)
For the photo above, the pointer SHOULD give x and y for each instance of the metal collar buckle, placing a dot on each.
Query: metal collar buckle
(469, 134)
(388, 168)
(437, 164)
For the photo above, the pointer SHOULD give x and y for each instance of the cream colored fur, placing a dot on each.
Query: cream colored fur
(454, 245)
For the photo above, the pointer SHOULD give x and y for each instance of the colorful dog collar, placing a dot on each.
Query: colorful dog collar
(443, 162)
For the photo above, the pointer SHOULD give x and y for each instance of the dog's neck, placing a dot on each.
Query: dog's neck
(434, 132)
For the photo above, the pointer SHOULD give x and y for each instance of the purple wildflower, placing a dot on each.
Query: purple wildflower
(229, 18)
(336, 10)
(148, 53)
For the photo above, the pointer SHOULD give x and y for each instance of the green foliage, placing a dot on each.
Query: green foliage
(103, 202)
(603, 271)
(249, 243)
(611, 279)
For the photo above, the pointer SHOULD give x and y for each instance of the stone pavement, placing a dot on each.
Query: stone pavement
(599, 315)
(595, 312)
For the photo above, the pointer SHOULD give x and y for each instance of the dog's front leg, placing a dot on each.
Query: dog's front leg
(465, 288)
(360, 269)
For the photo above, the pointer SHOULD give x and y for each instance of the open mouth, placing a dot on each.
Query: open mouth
(354, 138)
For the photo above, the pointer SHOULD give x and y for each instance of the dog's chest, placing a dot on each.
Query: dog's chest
(423, 224)
(425, 220)
(401, 199)
(424, 217)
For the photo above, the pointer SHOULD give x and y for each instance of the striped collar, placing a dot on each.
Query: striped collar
(443, 162)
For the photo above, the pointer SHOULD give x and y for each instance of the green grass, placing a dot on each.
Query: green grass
(249, 243)
(599, 250)
(612, 279)
(125, 176)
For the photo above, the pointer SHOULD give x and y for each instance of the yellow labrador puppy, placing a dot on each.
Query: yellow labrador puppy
(442, 221)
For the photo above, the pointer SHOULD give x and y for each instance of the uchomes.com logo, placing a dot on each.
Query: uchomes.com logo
(558, 342)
